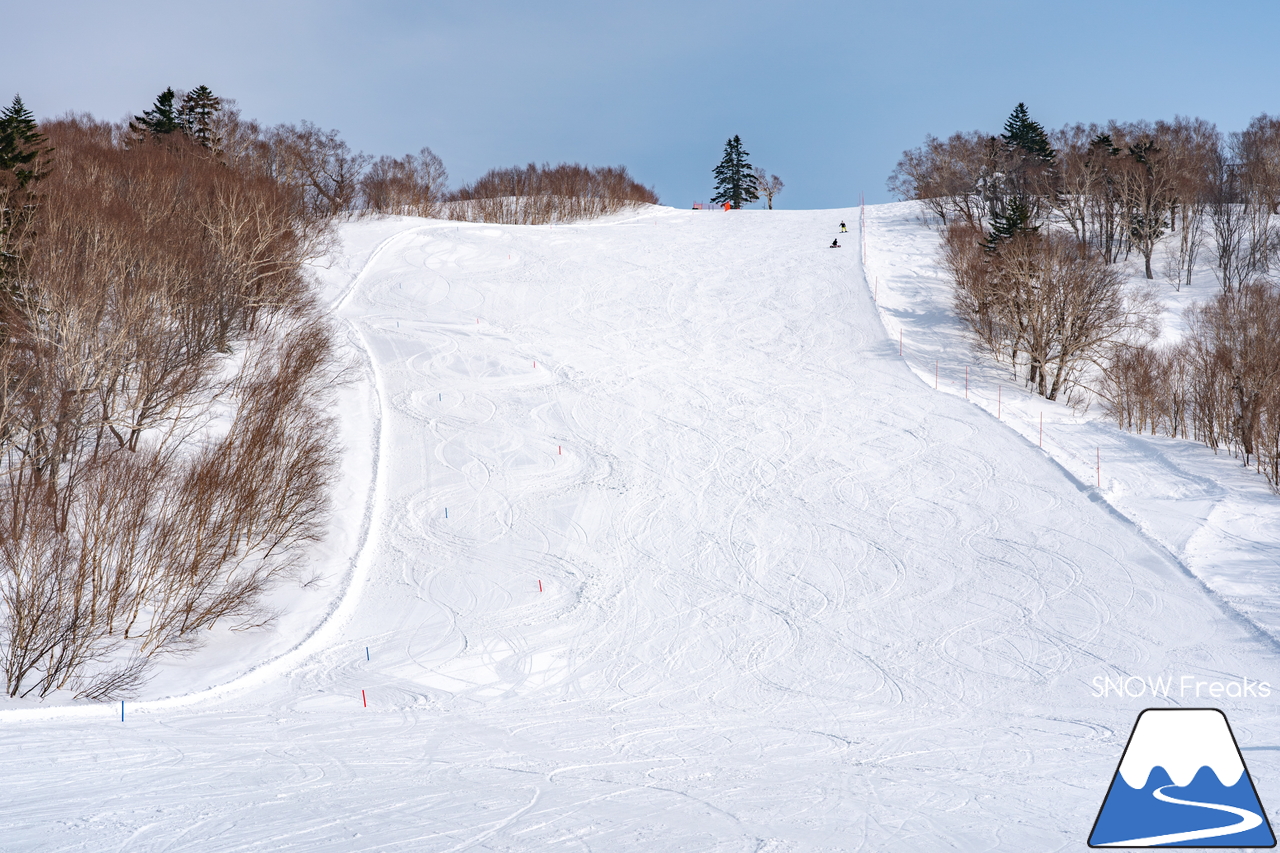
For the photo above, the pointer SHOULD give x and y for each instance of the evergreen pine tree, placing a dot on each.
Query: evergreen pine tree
(1015, 220)
(160, 120)
(23, 153)
(1101, 145)
(1020, 165)
(21, 144)
(1023, 133)
(735, 178)
(195, 115)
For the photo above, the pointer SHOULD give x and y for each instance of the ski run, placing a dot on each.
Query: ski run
(682, 531)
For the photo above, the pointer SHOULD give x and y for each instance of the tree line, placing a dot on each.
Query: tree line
(165, 384)
(338, 181)
(1035, 224)
(536, 195)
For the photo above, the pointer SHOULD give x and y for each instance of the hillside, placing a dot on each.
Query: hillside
(668, 548)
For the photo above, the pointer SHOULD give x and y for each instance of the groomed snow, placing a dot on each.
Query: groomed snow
(720, 571)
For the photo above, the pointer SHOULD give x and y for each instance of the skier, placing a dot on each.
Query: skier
(835, 244)
(842, 228)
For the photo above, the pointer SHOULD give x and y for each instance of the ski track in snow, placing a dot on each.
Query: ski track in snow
(793, 598)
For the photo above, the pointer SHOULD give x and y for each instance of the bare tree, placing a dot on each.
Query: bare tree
(1076, 179)
(318, 162)
(1226, 210)
(946, 176)
(768, 185)
(1257, 149)
(1193, 146)
(1106, 201)
(1146, 183)
(414, 185)
(1036, 302)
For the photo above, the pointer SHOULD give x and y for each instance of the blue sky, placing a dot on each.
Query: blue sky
(824, 94)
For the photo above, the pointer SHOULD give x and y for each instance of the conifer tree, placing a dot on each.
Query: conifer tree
(1021, 165)
(1023, 133)
(735, 178)
(196, 113)
(1016, 219)
(23, 158)
(22, 146)
(160, 120)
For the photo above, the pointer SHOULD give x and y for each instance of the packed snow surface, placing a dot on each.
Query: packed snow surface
(667, 548)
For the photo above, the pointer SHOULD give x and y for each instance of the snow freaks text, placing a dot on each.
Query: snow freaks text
(1183, 687)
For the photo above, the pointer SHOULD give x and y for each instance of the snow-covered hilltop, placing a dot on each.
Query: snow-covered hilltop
(670, 550)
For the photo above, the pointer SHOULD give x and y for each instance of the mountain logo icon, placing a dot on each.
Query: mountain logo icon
(1181, 783)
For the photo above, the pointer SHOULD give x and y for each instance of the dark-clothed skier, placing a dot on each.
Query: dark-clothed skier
(842, 228)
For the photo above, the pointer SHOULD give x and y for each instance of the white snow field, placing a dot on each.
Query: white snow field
(720, 571)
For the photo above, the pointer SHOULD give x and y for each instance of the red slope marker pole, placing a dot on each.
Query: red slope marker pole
(364, 699)
(539, 585)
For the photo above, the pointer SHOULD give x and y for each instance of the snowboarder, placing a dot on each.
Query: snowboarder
(842, 228)
(835, 244)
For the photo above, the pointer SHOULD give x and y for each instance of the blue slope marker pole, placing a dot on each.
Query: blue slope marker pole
(366, 653)
(122, 710)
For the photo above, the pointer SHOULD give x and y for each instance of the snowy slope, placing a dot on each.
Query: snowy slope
(719, 572)
(1217, 518)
